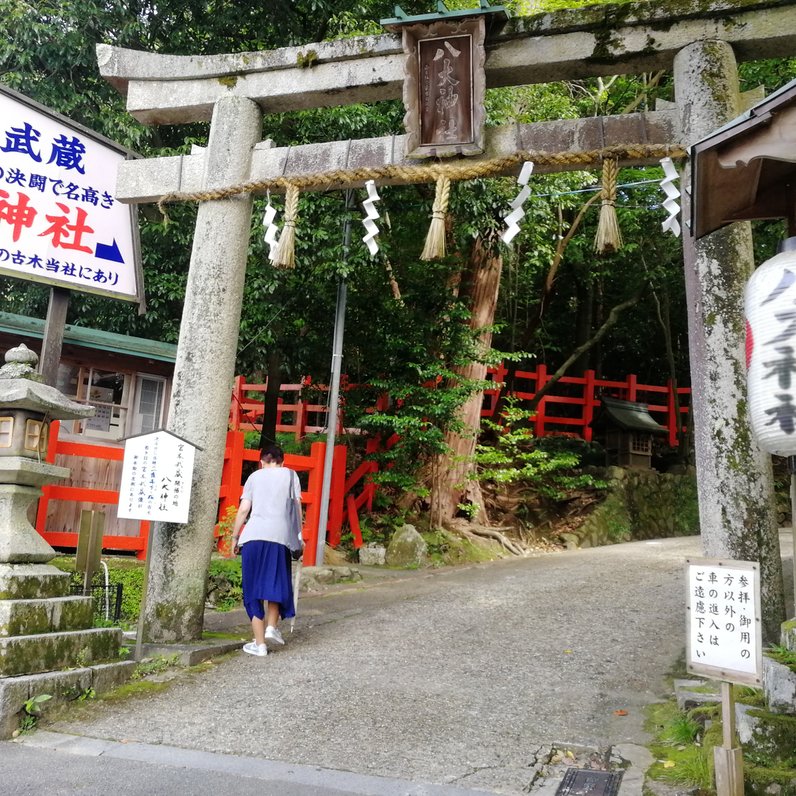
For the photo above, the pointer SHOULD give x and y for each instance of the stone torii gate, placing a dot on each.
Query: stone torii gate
(701, 41)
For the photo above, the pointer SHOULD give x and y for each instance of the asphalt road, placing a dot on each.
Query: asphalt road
(456, 677)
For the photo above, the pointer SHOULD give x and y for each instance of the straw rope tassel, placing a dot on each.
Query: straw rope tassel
(284, 256)
(435, 240)
(609, 237)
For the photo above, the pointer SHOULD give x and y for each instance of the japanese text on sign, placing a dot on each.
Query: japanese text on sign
(156, 478)
(59, 221)
(724, 631)
(446, 90)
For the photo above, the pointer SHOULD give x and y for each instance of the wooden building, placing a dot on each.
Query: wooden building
(128, 382)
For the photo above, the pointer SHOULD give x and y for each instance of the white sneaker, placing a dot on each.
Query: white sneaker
(273, 634)
(255, 649)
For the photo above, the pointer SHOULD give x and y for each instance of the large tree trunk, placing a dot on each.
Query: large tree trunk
(452, 481)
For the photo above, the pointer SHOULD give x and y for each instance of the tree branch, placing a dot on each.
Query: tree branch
(613, 317)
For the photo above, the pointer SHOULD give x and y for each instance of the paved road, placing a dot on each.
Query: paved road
(456, 677)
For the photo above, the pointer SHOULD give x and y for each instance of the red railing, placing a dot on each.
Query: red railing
(232, 484)
(75, 494)
(570, 408)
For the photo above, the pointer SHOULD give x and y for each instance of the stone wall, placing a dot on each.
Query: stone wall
(640, 504)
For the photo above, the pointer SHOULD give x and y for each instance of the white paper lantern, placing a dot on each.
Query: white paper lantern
(770, 308)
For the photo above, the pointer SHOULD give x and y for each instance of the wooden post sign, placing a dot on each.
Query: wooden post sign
(725, 643)
(157, 473)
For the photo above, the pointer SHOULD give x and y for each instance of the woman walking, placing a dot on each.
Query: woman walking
(265, 545)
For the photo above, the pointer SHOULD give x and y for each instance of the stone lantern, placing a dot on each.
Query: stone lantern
(26, 408)
(47, 643)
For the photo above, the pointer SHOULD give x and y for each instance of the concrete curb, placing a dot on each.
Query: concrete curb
(267, 770)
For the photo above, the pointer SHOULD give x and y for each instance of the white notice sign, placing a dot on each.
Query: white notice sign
(724, 628)
(156, 478)
(59, 220)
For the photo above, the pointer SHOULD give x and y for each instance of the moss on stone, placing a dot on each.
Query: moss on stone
(304, 60)
(773, 740)
(230, 81)
(758, 781)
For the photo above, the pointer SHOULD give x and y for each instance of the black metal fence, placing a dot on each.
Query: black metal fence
(107, 600)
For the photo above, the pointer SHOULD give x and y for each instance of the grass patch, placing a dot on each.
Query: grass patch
(747, 695)
(134, 689)
(783, 655)
(683, 750)
(156, 665)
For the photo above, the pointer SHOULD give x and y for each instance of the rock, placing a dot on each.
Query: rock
(779, 684)
(372, 555)
(407, 548)
(689, 697)
(312, 578)
(571, 541)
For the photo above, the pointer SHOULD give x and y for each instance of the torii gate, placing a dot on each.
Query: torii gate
(700, 41)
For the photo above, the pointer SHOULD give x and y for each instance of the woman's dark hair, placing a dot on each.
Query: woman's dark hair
(272, 454)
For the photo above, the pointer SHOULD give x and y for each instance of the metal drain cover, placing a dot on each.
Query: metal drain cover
(582, 782)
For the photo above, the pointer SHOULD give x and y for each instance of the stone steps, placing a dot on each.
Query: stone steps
(44, 652)
(32, 582)
(31, 617)
(61, 686)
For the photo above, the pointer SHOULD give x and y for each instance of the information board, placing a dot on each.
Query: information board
(157, 473)
(59, 221)
(724, 627)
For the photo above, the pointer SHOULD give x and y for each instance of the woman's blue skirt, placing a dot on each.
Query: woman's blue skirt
(265, 567)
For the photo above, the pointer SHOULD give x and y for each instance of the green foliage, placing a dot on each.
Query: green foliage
(128, 572)
(224, 527)
(545, 464)
(407, 321)
(224, 583)
(683, 750)
(31, 711)
(782, 654)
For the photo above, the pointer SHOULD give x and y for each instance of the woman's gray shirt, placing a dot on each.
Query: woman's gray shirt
(268, 490)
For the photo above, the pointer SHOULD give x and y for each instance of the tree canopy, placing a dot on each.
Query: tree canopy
(407, 319)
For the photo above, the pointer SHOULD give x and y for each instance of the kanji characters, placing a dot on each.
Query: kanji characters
(20, 215)
(66, 235)
(68, 153)
(22, 140)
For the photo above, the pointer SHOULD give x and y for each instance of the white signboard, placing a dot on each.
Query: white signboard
(157, 472)
(724, 628)
(59, 221)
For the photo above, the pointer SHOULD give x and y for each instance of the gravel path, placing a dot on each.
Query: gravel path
(458, 676)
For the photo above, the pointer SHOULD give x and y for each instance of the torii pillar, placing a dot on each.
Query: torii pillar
(180, 554)
(734, 476)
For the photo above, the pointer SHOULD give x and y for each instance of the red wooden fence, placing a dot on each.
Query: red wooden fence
(136, 544)
(571, 405)
(235, 454)
(568, 409)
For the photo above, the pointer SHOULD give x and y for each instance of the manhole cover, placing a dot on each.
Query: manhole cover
(582, 782)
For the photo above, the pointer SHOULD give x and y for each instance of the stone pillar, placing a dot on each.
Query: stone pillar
(734, 477)
(203, 373)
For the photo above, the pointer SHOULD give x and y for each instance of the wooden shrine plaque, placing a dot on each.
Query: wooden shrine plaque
(444, 88)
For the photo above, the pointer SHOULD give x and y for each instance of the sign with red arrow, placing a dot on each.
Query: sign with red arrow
(59, 220)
